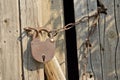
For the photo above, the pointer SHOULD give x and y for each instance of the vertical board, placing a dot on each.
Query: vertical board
(103, 61)
(83, 8)
(117, 9)
(10, 49)
(94, 55)
(29, 17)
(110, 40)
(81, 29)
(47, 14)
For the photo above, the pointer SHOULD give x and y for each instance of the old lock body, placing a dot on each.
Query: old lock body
(42, 51)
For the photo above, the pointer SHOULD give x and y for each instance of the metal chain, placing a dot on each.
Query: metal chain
(54, 32)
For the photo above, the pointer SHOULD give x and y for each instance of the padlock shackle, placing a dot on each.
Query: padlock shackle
(29, 29)
(35, 35)
(38, 30)
(45, 30)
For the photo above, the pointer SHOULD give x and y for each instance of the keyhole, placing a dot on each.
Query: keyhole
(43, 57)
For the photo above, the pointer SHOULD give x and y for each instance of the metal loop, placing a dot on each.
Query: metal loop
(69, 26)
(45, 30)
(52, 34)
(29, 29)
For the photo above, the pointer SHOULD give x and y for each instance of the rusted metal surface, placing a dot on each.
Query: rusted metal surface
(42, 51)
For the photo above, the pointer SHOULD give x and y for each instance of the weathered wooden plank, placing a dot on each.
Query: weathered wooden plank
(94, 59)
(29, 17)
(102, 27)
(47, 14)
(10, 49)
(109, 42)
(117, 9)
(54, 20)
(82, 8)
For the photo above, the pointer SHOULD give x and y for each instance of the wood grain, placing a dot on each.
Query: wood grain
(117, 9)
(53, 70)
(10, 49)
(81, 31)
(47, 14)
(104, 58)
(110, 43)
(83, 8)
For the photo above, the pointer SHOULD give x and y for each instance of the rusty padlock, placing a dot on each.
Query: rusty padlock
(42, 51)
